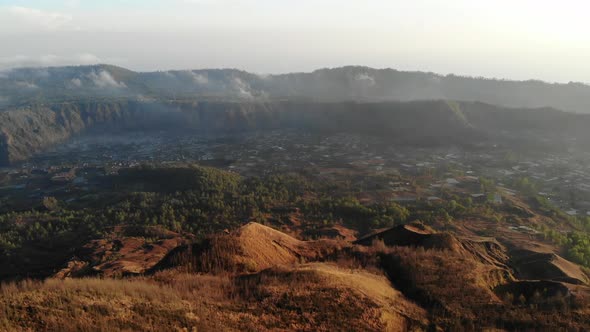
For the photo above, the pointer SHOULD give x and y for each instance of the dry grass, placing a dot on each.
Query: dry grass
(252, 248)
(316, 297)
(437, 277)
(168, 301)
(325, 297)
(95, 305)
(434, 288)
(457, 291)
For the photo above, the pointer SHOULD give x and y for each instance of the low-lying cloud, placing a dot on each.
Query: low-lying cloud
(36, 18)
(75, 83)
(365, 79)
(243, 89)
(199, 78)
(104, 79)
(27, 85)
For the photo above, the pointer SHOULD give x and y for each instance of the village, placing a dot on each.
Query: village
(426, 172)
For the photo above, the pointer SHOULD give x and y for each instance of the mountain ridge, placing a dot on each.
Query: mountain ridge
(351, 83)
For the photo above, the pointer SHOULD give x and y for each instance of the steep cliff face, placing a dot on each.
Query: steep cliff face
(4, 149)
(26, 131)
(427, 118)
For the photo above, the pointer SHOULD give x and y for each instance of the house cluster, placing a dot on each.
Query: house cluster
(563, 179)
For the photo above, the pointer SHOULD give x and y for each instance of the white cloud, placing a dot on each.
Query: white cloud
(47, 60)
(72, 3)
(208, 2)
(87, 58)
(242, 88)
(26, 85)
(40, 73)
(75, 83)
(199, 78)
(264, 77)
(365, 79)
(143, 98)
(104, 79)
(37, 18)
(435, 79)
(540, 39)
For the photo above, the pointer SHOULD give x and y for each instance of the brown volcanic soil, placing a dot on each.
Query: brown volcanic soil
(334, 232)
(530, 258)
(257, 279)
(413, 235)
(310, 297)
(325, 294)
(251, 248)
(539, 265)
(485, 250)
(119, 256)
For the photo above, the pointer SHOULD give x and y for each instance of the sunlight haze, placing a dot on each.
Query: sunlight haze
(544, 40)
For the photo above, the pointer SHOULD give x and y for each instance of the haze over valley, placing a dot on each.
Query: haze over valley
(344, 198)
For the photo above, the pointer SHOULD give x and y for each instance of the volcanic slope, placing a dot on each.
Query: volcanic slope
(251, 248)
(259, 278)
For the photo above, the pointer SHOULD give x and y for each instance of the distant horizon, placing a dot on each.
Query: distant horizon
(522, 40)
(504, 79)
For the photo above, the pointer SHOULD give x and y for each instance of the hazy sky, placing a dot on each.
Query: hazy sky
(517, 39)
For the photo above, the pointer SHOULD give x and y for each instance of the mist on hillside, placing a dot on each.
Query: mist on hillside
(199, 165)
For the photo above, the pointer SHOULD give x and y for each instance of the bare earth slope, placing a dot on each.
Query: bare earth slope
(253, 247)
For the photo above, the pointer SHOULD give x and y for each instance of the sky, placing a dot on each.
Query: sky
(508, 39)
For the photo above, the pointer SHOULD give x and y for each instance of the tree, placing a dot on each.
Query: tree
(50, 203)
(522, 299)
